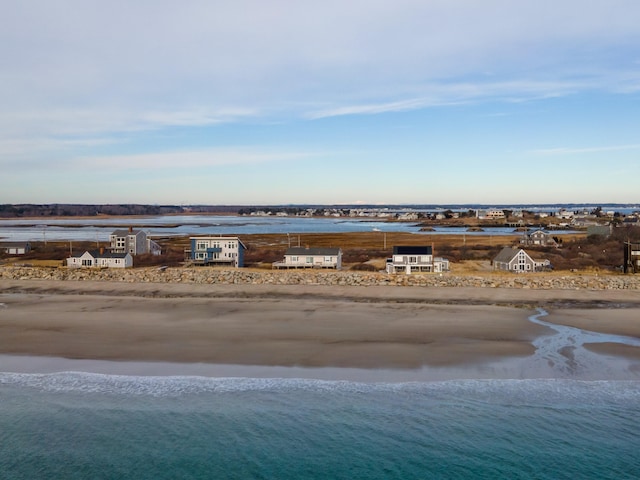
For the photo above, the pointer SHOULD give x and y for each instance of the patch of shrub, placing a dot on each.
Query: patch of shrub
(364, 267)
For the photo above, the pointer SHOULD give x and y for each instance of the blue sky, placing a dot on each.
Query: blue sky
(277, 102)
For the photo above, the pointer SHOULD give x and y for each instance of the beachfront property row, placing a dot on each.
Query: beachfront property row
(229, 251)
(123, 246)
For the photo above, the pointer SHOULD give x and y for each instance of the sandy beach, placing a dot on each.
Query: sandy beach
(300, 326)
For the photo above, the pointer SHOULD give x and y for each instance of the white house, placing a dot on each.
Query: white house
(302, 257)
(132, 241)
(227, 251)
(517, 260)
(100, 259)
(415, 259)
(15, 248)
(492, 213)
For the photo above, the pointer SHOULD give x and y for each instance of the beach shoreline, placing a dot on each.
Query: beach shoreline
(309, 330)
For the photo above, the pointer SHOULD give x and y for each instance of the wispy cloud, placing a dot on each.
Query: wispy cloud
(189, 159)
(580, 150)
(448, 94)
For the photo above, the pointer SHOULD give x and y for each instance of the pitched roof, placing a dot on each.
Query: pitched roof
(107, 254)
(97, 254)
(506, 254)
(14, 244)
(124, 233)
(412, 250)
(312, 251)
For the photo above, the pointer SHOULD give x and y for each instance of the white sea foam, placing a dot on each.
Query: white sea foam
(523, 392)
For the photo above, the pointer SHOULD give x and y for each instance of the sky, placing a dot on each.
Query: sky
(249, 102)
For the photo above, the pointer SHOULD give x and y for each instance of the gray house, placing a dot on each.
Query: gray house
(129, 241)
(302, 257)
(538, 237)
(517, 260)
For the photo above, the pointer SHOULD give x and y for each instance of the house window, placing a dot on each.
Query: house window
(201, 246)
(86, 262)
(424, 259)
(309, 259)
(413, 259)
(328, 259)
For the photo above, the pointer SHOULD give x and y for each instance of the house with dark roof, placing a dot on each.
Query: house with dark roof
(15, 248)
(415, 259)
(517, 260)
(304, 257)
(100, 259)
(538, 237)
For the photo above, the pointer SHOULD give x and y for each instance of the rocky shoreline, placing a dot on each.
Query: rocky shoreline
(324, 277)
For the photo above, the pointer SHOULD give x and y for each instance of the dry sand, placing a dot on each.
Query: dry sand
(305, 326)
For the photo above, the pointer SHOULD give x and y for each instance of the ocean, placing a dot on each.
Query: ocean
(96, 426)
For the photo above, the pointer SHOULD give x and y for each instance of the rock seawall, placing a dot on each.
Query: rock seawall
(205, 275)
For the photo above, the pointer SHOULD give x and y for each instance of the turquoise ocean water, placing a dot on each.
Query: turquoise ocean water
(91, 426)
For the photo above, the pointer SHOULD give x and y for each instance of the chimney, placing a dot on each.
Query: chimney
(101, 250)
(130, 229)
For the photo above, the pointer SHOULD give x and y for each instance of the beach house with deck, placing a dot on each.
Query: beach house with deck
(212, 251)
(415, 259)
(305, 257)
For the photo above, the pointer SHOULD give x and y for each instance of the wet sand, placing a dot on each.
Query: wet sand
(299, 326)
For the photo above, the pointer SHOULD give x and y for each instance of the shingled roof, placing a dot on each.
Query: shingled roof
(326, 251)
(506, 254)
(413, 250)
